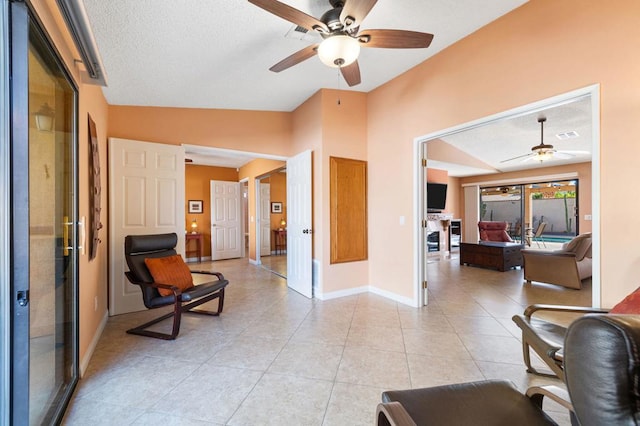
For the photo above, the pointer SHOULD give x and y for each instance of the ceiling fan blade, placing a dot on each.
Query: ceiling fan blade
(354, 12)
(394, 39)
(296, 58)
(519, 156)
(291, 14)
(563, 154)
(351, 74)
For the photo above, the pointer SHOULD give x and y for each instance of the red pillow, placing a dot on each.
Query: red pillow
(629, 305)
(170, 270)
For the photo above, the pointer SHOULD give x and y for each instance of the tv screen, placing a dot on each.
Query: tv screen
(436, 196)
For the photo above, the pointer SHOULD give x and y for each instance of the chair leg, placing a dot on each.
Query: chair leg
(141, 330)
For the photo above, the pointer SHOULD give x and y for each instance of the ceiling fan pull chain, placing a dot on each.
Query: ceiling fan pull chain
(339, 80)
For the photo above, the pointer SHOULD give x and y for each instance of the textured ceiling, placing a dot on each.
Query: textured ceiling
(217, 53)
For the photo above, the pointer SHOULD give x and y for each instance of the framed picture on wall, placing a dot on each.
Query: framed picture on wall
(276, 207)
(195, 206)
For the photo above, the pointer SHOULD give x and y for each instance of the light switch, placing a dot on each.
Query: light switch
(587, 217)
(401, 220)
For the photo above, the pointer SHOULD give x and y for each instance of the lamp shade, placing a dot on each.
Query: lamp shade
(339, 51)
(44, 118)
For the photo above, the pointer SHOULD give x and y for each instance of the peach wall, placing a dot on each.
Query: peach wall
(542, 49)
(93, 275)
(583, 171)
(261, 132)
(198, 187)
(437, 175)
(344, 128)
(251, 171)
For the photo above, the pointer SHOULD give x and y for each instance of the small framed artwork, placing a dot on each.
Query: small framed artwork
(195, 206)
(276, 207)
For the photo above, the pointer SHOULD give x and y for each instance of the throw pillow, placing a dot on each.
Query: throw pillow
(170, 270)
(629, 305)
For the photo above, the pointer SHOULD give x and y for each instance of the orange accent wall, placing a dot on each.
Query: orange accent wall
(278, 182)
(542, 49)
(437, 176)
(198, 187)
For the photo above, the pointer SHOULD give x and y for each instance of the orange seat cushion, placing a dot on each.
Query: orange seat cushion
(170, 270)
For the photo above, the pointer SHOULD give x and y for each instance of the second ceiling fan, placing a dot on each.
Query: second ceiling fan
(340, 29)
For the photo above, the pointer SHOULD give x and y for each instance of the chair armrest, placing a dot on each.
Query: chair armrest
(393, 414)
(217, 274)
(562, 308)
(555, 393)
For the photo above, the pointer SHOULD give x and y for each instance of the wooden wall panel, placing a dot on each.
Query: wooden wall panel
(348, 204)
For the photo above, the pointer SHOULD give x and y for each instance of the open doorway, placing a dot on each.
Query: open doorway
(271, 211)
(510, 136)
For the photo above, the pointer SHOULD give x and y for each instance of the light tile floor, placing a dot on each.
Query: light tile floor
(275, 357)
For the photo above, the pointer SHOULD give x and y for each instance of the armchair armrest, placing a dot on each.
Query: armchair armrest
(393, 414)
(555, 253)
(562, 308)
(555, 393)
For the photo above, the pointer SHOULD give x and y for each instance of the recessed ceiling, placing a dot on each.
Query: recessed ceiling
(217, 53)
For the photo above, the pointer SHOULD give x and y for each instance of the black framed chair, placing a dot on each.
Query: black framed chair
(602, 376)
(137, 248)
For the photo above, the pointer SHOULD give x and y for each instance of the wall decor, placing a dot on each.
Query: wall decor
(95, 191)
(195, 206)
(276, 207)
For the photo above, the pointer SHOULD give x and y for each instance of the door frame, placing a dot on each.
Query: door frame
(5, 217)
(593, 91)
(21, 16)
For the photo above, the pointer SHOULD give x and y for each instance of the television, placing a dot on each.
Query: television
(436, 197)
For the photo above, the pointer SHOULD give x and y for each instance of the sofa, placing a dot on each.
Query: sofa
(566, 267)
(494, 231)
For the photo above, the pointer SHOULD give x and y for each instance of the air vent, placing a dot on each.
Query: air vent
(567, 135)
(297, 32)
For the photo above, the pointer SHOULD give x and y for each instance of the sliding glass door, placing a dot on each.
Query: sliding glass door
(44, 234)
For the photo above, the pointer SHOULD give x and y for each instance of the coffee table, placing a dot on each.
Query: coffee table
(491, 254)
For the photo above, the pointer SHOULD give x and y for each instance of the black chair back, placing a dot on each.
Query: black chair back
(139, 247)
(602, 369)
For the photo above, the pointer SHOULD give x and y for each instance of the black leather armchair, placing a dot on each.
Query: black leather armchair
(139, 247)
(602, 370)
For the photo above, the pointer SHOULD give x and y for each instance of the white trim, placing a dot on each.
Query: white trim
(232, 152)
(340, 293)
(594, 92)
(525, 180)
(195, 259)
(254, 262)
(84, 362)
(396, 298)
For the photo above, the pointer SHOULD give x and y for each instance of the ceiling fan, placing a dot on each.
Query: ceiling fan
(340, 29)
(543, 152)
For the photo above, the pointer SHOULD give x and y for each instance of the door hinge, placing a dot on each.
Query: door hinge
(424, 223)
(424, 285)
(424, 162)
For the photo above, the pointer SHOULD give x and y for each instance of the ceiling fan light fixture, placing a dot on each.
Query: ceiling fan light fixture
(544, 155)
(339, 51)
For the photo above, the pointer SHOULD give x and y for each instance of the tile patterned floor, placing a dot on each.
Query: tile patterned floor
(275, 357)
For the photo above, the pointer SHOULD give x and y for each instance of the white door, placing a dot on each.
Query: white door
(146, 196)
(226, 220)
(265, 219)
(299, 261)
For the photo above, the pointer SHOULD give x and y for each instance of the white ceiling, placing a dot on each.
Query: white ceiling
(217, 53)
(497, 142)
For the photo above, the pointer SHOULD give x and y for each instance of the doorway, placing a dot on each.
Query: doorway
(586, 99)
(44, 231)
(272, 220)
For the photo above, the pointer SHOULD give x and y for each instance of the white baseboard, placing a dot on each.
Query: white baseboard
(254, 262)
(84, 362)
(195, 259)
(341, 293)
(400, 299)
